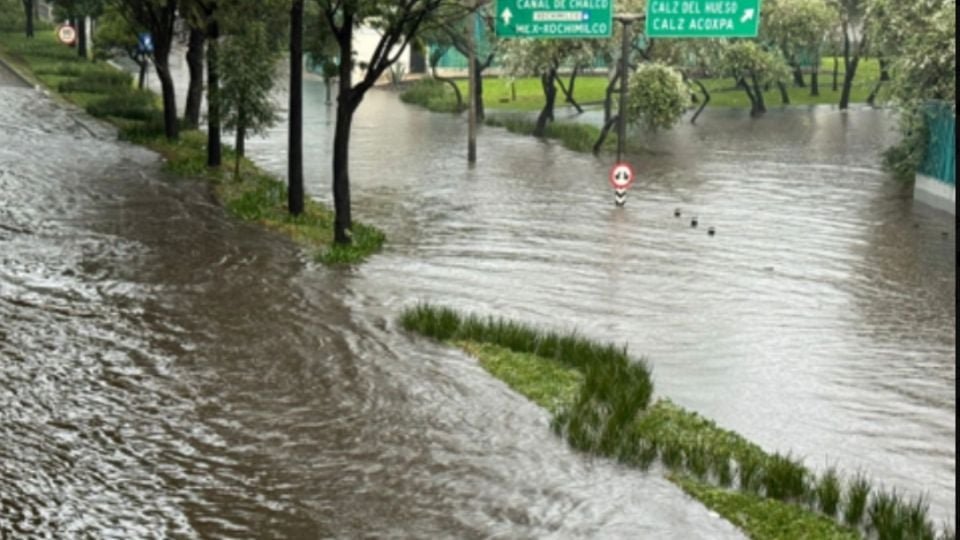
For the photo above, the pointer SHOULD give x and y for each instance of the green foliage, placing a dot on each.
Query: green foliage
(747, 60)
(98, 81)
(797, 26)
(432, 94)
(12, 16)
(657, 96)
(784, 478)
(855, 503)
(133, 105)
(828, 492)
(546, 382)
(759, 517)
(247, 67)
(576, 137)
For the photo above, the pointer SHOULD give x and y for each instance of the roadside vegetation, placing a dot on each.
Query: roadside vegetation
(602, 403)
(526, 94)
(244, 189)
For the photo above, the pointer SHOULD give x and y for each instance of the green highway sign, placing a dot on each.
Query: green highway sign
(553, 19)
(702, 18)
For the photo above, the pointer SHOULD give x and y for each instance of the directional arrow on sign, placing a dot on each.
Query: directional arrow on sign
(506, 15)
(747, 15)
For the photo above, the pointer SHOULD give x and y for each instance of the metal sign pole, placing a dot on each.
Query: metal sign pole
(624, 76)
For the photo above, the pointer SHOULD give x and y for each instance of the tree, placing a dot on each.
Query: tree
(543, 58)
(194, 15)
(854, 20)
(923, 76)
(797, 28)
(158, 17)
(28, 11)
(249, 61)
(657, 96)
(114, 35)
(753, 68)
(398, 22)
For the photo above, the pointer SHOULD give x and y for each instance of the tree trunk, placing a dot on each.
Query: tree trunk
(814, 83)
(568, 91)
(706, 99)
(784, 95)
(82, 37)
(142, 62)
(478, 101)
(798, 77)
(548, 81)
(607, 126)
(213, 95)
(240, 144)
(608, 99)
(884, 70)
(28, 8)
(170, 127)
(295, 201)
(326, 84)
(754, 108)
(191, 113)
(761, 107)
(341, 141)
(456, 89)
(836, 71)
(850, 67)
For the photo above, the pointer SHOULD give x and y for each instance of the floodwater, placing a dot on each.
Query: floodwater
(820, 320)
(168, 371)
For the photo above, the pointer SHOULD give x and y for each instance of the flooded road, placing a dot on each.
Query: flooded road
(819, 320)
(166, 371)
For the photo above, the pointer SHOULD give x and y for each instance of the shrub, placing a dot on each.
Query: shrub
(98, 81)
(828, 492)
(130, 105)
(784, 478)
(856, 501)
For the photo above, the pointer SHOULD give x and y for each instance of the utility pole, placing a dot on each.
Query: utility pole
(472, 74)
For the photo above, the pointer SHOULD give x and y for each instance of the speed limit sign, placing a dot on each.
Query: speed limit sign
(66, 34)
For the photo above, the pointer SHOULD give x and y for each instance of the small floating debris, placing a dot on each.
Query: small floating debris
(676, 212)
(711, 231)
(694, 222)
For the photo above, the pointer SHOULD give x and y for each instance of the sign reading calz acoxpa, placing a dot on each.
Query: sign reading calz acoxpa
(554, 19)
(702, 18)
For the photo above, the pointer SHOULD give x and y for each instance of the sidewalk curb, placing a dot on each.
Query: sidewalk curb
(17, 73)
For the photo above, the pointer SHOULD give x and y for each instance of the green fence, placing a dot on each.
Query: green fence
(941, 157)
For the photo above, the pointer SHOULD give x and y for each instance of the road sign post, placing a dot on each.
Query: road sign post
(702, 18)
(621, 178)
(67, 34)
(554, 19)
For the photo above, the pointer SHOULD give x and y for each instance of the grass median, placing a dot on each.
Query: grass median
(252, 194)
(600, 400)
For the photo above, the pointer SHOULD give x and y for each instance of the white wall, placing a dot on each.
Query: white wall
(365, 41)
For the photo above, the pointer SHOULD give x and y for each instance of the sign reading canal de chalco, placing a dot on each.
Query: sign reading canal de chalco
(551, 19)
(702, 18)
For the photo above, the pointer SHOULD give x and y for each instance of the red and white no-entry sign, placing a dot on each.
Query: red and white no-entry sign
(66, 34)
(621, 176)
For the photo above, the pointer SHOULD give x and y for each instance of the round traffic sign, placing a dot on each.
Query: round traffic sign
(621, 176)
(66, 34)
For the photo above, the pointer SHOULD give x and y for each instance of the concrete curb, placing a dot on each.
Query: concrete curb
(17, 74)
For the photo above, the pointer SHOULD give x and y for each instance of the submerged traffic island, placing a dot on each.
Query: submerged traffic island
(246, 191)
(601, 403)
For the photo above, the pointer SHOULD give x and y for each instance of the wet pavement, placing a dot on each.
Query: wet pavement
(166, 371)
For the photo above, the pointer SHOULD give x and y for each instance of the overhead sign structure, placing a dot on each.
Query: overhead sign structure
(554, 19)
(702, 18)
(621, 178)
(66, 34)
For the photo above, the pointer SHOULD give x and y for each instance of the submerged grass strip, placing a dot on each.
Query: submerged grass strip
(253, 195)
(600, 401)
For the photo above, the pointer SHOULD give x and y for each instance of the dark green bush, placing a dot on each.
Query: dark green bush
(132, 105)
(98, 81)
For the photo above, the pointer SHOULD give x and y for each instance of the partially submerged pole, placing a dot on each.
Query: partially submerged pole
(472, 100)
(624, 70)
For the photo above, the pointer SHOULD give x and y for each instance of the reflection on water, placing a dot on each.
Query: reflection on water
(820, 319)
